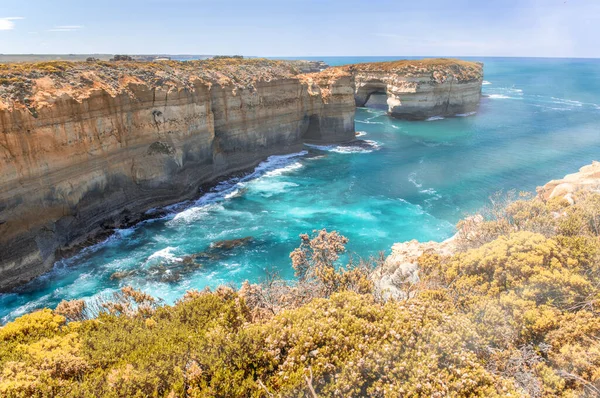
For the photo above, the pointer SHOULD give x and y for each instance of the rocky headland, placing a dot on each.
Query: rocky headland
(86, 147)
(420, 89)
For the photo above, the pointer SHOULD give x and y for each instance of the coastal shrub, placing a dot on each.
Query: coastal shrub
(513, 313)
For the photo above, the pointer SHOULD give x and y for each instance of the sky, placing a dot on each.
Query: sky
(532, 28)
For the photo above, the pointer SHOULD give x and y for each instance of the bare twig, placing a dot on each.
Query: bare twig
(309, 382)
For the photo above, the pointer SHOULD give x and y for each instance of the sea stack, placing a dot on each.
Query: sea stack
(420, 89)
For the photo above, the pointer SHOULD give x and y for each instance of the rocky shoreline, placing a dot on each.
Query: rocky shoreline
(400, 270)
(89, 147)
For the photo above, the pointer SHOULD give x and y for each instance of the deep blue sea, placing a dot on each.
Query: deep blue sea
(539, 120)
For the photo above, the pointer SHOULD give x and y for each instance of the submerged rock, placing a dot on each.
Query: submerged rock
(232, 243)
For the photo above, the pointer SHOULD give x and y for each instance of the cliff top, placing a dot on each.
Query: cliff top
(20, 83)
(31, 84)
(438, 68)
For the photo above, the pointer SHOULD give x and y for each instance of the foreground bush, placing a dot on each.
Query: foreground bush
(515, 313)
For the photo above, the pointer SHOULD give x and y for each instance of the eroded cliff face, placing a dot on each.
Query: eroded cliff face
(88, 147)
(421, 89)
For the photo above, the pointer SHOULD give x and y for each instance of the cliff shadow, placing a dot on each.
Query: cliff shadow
(313, 131)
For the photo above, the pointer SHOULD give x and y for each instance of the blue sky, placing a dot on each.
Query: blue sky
(551, 28)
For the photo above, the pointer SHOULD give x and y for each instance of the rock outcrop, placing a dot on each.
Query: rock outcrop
(400, 270)
(588, 178)
(85, 147)
(417, 90)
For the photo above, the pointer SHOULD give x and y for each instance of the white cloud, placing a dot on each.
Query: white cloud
(66, 28)
(7, 23)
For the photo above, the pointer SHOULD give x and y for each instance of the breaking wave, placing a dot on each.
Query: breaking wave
(433, 118)
(357, 146)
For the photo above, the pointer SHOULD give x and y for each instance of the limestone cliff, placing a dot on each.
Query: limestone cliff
(89, 146)
(421, 89)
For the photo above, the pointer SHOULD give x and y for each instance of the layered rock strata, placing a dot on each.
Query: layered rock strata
(88, 147)
(418, 90)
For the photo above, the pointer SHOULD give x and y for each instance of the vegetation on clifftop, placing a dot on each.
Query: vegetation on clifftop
(513, 313)
(20, 82)
(439, 69)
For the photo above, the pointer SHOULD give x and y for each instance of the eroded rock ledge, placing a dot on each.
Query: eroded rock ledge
(419, 89)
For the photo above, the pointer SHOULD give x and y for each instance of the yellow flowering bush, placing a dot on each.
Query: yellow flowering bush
(513, 313)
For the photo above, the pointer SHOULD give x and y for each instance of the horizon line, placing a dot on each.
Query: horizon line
(300, 56)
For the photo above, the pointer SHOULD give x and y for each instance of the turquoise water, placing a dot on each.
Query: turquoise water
(405, 180)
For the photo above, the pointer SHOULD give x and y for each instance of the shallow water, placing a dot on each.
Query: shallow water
(540, 119)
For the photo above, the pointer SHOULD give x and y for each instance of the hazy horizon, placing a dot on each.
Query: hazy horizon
(309, 28)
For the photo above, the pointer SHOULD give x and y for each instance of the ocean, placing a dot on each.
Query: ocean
(539, 120)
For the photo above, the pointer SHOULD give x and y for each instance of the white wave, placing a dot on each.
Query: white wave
(193, 214)
(433, 118)
(368, 122)
(500, 96)
(412, 177)
(274, 166)
(28, 307)
(282, 170)
(568, 102)
(361, 133)
(465, 114)
(359, 146)
(274, 162)
(164, 254)
(429, 191)
(232, 194)
(485, 83)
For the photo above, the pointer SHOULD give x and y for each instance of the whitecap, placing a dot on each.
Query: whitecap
(282, 170)
(500, 96)
(192, 214)
(433, 118)
(165, 254)
(567, 102)
(485, 83)
(465, 114)
(412, 177)
(368, 122)
(232, 194)
(358, 146)
(429, 191)
(275, 165)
